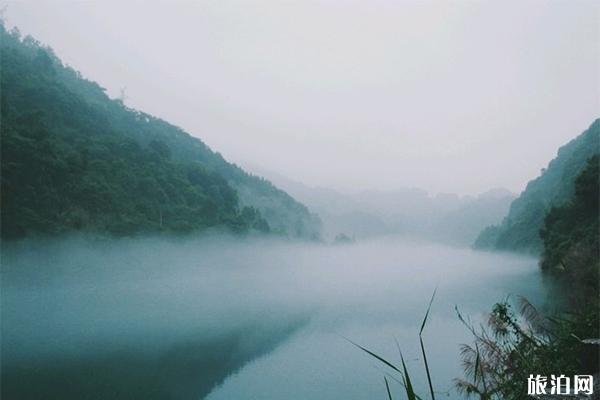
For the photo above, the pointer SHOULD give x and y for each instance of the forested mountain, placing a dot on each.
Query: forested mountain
(570, 235)
(520, 229)
(74, 159)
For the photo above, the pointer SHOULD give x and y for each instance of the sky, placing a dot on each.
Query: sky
(447, 96)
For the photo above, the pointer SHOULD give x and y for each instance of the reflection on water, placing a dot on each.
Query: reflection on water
(185, 370)
(236, 319)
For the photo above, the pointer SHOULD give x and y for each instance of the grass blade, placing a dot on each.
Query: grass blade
(427, 312)
(410, 393)
(383, 360)
(476, 371)
(479, 367)
(423, 346)
(387, 387)
(427, 369)
(404, 374)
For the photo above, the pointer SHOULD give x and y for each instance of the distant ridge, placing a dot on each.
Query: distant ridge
(520, 229)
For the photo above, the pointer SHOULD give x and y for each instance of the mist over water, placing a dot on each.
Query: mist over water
(225, 318)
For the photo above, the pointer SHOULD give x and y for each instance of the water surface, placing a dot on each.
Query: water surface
(224, 318)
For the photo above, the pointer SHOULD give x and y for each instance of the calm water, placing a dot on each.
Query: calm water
(230, 319)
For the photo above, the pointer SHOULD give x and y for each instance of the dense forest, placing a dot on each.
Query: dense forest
(570, 236)
(520, 229)
(75, 160)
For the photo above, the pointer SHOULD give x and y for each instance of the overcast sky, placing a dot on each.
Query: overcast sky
(446, 96)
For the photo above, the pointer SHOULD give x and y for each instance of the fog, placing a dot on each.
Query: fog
(409, 126)
(227, 317)
(453, 97)
(444, 217)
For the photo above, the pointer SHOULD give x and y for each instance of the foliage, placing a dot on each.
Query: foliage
(519, 231)
(570, 236)
(73, 159)
(511, 347)
(515, 345)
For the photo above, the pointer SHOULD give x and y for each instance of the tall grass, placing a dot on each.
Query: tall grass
(403, 371)
(512, 345)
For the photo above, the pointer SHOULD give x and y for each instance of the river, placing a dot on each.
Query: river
(226, 318)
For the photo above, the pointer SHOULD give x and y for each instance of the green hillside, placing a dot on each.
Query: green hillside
(520, 230)
(571, 233)
(75, 160)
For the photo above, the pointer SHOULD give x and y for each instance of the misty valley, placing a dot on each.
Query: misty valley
(400, 210)
(221, 318)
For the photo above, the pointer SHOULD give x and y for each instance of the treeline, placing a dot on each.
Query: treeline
(571, 234)
(74, 159)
